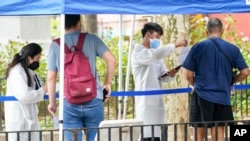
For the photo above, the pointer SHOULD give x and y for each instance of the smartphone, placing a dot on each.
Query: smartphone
(166, 74)
(178, 67)
(105, 92)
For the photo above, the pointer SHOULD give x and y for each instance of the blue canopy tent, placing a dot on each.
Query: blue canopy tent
(52, 7)
(41, 7)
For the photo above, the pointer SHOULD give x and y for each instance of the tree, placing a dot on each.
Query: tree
(89, 23)
(175, 27)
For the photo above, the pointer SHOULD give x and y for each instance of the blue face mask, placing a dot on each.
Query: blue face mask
(154, 43)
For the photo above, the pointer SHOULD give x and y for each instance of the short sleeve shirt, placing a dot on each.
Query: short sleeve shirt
(213, 72)
(93, 47)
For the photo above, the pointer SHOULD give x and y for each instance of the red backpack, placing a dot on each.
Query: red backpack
(79, 82)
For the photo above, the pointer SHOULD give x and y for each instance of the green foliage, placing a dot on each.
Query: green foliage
(7, 52)
(240, 102)
(46, 123)
(113, 44)
(55, 26)
(197, 28)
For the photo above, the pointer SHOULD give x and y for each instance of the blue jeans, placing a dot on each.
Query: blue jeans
(87, 115)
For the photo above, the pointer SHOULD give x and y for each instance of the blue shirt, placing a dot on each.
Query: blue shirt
(93, 47)
(213, 72)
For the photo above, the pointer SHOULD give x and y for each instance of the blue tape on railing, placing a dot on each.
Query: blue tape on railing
(242, 87)
(12, 98)
(139, 93)
(7, 98)
(152, 92)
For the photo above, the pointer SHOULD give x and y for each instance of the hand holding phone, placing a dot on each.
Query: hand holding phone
(105, 92)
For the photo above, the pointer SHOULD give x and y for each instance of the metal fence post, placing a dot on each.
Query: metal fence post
(74, 134)
(164, 132)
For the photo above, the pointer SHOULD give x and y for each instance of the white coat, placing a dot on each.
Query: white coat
(147, 67)
(22, 115)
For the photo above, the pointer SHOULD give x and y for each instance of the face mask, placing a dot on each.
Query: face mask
(154, 43)
(34, 65)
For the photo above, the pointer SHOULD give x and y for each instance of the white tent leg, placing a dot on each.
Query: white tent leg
(120, 69)
(128, 66)
(61, 78)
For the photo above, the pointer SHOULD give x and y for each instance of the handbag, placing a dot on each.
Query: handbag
(234, 72)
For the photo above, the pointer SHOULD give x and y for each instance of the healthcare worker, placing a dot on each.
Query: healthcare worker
(148, 70)
(26, 87)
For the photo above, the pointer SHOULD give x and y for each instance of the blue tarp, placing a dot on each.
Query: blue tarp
(30, 7)
(36, 7)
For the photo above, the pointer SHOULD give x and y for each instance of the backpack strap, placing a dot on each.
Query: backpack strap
(78, 46)
(80, 41)
(66, 49)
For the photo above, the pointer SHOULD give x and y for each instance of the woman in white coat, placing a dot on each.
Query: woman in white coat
(147, 68)
(26, 87)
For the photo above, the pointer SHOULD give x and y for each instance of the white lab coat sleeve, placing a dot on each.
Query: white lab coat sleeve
(163, 51)
(163, 70)
(21, 90)
(147, 56)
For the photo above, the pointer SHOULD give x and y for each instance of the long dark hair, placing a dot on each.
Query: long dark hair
(31, 50)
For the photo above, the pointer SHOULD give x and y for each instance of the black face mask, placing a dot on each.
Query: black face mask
(34, 65)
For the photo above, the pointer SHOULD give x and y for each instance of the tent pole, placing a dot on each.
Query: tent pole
(128, 66)
(120, 68)
(61, 77)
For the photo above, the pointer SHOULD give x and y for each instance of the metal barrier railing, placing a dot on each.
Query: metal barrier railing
(240, 101)
(240, 104)
(110, 111)
(170, 132)
(43, 135)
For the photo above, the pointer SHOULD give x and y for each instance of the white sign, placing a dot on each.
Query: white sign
(183, 54)
(240, 132)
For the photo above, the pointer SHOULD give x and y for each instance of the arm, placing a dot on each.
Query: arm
(51, 84)
(110, 60)
(21, 90)
(241, 65)
(146, 56)
(52, 68)
(190, 77)
(189, 65)
(242, 75)
(182, 43)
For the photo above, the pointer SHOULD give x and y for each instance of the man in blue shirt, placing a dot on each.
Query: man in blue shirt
(210, 72)
(88, 114)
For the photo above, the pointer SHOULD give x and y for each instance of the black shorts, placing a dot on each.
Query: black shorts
(202, 110)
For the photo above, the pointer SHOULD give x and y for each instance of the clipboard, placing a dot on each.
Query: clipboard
(176, 68)
(183, 55)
